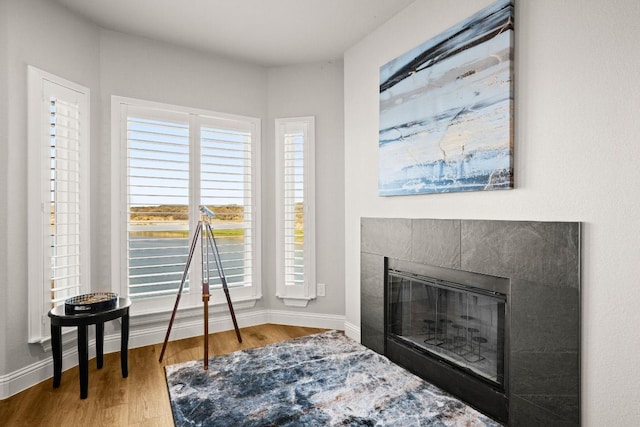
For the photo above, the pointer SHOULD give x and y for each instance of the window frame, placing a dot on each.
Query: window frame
(243, 297)
(296, 295)
(40, 86)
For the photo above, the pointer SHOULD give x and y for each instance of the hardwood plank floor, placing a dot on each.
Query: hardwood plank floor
(141, 399)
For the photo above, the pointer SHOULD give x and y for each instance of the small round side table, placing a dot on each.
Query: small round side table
(82, 322)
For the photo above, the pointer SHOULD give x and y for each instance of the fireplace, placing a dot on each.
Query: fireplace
(486, 310)
(450, 326)
(458, 324)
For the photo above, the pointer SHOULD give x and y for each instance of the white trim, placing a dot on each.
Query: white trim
(295, 295)
(352, 331)
(40, 84)
(154, 333)
(118, 197)
(68, 336)
(120, 107)
(305, 319)
(28, 376)
(294, 301)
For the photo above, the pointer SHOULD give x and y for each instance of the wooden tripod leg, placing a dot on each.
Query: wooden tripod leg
(179, 294)
(205, 300)
(216, 256)
(233, 314)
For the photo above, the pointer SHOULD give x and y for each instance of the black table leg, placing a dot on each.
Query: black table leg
(100, 344)
(83, 360)
(56, 349)
(124, 346)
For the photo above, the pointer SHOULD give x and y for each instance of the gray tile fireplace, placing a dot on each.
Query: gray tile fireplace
(487, 310)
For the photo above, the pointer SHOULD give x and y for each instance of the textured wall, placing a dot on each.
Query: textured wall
(311, 90)
(29, 42)
(4, 146)
(576, 145)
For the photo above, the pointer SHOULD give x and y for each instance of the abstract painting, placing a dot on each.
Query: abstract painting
(446, 110)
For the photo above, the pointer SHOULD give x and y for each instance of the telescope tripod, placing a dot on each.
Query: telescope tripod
(210, 243)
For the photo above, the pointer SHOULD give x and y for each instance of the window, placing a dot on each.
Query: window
(169, 161)
(58, 200)
(295, 211)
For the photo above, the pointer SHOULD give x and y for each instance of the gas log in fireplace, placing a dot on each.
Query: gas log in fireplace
(486, 310)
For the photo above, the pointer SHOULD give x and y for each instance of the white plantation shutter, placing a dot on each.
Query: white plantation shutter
(293, 206)
(168, 161)
(226, 184)
(65, 208)
(158, 202)
(296, 210)
(58, 234)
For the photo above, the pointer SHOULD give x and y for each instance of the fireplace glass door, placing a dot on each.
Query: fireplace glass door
(459, 324)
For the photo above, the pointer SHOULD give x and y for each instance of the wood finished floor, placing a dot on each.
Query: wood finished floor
(139, 400)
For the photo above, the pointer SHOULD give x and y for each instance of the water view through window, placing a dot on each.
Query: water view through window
(159, 246)
(169, 175)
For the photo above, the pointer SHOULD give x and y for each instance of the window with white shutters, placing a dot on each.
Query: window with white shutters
(171, 160)
(58, 231)
(295, 212)
(158, 204)
(226, 182)
(64, 205)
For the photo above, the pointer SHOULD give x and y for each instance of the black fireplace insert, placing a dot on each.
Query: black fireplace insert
(460, 325)
(451, 326)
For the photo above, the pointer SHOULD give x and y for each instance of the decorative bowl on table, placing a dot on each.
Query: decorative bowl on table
(94, 302)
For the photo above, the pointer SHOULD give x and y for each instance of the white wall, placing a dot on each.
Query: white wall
(69, 51)
(576, 145)
(4, 144)
(311, 90)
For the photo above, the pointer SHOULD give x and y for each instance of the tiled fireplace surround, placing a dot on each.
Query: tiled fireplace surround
(541, 261)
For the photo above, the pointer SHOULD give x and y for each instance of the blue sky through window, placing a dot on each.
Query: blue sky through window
(158, 156)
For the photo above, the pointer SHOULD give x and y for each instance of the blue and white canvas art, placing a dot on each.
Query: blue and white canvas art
(446, 110)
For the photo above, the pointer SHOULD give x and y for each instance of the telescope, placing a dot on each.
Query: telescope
(207, 212)
(204, 225)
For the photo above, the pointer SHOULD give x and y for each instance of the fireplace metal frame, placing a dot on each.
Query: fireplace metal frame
(486, 396)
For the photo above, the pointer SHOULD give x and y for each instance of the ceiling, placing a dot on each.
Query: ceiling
(264, 32)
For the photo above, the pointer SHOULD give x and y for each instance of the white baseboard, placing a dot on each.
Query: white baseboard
(150, 330)
(352, 331)
(22, 379)
(309, 320)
